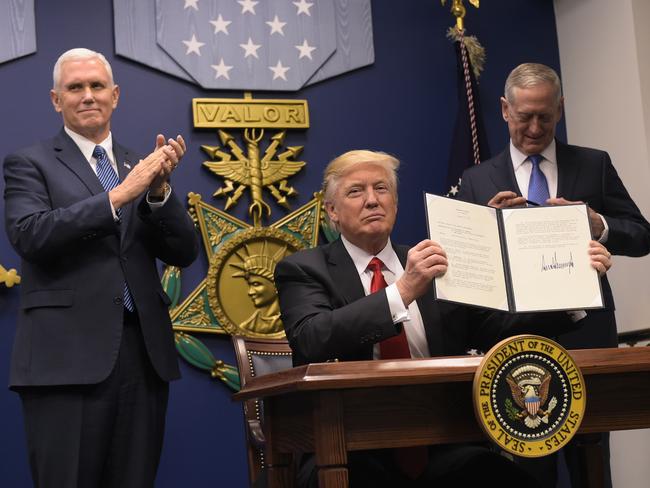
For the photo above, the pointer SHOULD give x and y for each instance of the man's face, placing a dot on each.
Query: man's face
(532, 117)
(86, 98)
(364, 206)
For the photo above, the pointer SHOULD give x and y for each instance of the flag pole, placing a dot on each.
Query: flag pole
(469, 142)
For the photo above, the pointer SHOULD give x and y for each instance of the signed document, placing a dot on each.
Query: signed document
(517, 259)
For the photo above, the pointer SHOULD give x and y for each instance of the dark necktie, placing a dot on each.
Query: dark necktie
(109, 180)
(537, 186)
(411, 460)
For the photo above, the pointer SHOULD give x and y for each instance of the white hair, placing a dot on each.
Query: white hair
(531, 74)
(77, 54)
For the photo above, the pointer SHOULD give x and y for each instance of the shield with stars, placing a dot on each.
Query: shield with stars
(247, 44)
(137, 30)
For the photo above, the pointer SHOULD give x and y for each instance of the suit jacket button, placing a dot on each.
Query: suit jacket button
(117, 300)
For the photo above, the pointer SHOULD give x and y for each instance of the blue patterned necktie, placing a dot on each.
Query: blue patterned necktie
(109, 180)
(537, 186)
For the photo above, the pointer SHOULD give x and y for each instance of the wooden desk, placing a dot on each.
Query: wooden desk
(333, 408)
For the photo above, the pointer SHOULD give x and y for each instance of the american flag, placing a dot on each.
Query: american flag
(469, 140)
(279, 45)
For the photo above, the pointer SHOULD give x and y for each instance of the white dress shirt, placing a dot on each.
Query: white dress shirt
(410, 316)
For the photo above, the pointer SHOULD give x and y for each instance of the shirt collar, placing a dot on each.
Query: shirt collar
(518, 157)
(361, 258)
(86, 146)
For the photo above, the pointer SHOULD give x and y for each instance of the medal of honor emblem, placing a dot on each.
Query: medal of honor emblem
(240, 282)
(529, 396)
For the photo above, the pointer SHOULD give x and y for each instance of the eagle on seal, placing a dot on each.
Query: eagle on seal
(529, 385)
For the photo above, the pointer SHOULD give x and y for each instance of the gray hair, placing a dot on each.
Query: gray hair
(346, 162)
(531, 74)
(78, 54)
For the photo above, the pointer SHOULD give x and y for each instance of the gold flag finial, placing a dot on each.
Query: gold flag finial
(458, 10)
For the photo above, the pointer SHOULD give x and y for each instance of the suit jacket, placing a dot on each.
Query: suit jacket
(75, 260)
(327, 315)
(587, 175)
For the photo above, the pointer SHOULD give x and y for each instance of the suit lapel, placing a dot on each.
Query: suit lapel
(123, 160)
(503, 174)
(567, 171)
(67, 152)
(344, 273)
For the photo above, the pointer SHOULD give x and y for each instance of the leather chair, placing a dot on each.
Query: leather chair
(256, 357)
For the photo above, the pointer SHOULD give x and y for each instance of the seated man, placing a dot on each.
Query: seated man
(361, 297)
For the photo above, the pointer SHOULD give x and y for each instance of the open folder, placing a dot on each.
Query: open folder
(517, 259)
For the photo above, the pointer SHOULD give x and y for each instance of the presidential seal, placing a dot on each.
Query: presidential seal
(529, 396)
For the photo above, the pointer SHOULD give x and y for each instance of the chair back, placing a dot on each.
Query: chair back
(257, 357)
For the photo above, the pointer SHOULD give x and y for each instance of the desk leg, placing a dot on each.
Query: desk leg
(278, 465)
(329, 440)
(279, 476)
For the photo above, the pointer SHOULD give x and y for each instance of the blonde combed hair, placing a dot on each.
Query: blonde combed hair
(346, 162)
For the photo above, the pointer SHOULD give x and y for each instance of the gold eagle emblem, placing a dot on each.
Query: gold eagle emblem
(249, 170)
(529, 385)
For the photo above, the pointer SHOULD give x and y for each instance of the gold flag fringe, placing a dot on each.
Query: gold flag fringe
(475, 51)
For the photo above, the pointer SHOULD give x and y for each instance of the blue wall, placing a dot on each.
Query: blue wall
(404, 104)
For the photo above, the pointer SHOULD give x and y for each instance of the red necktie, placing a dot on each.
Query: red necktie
(411, 460)
(397, 346)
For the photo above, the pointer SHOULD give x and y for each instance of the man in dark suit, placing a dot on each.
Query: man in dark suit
(361, 297)
(94, 348)
(532, 106)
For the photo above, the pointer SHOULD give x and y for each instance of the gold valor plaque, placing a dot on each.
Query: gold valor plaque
(529, 396)
(249, 113)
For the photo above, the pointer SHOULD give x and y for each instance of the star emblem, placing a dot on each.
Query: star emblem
(191, 4)
(234, 246)
(303, 7)
(305, 50)
(221, 70)
(250, 48)
(276, 25)
(220, 25)
(247, 6)
(193, 45)
(279, 71)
